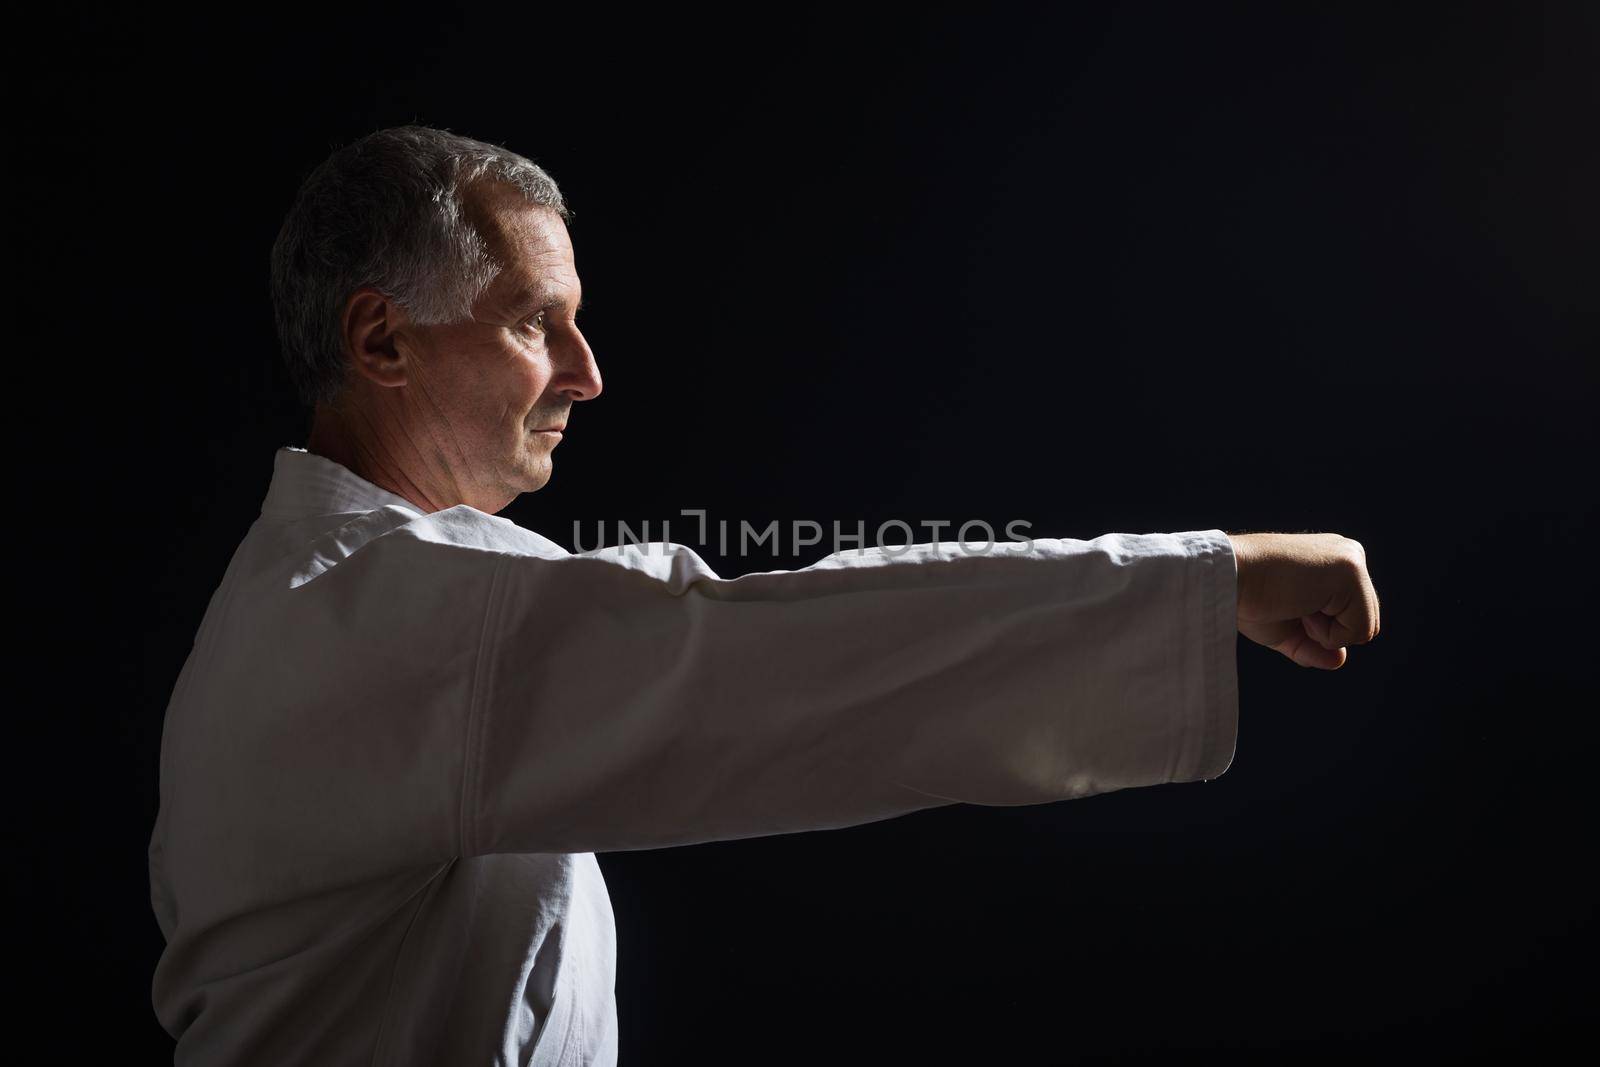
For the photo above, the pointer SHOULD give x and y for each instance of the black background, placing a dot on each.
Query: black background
(1129, 268)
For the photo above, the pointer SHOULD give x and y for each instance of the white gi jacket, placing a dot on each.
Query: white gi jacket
(401, 737)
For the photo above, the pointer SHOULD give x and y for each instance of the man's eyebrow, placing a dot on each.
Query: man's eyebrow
(539, 297)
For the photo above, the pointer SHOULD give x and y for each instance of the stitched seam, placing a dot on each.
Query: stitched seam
(1211, 639)
(394, 968)
(1203, 653)
(1181, 726)
(1194, 676)
(472, 757)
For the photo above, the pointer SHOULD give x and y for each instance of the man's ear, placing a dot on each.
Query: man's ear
(370, 323)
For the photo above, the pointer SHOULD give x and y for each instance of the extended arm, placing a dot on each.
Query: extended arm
(634, 699)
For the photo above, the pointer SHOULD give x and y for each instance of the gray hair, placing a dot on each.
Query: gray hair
(389, 211)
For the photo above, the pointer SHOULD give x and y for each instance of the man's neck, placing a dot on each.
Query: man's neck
(351, 441)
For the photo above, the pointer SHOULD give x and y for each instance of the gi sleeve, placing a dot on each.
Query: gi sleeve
(632, 698)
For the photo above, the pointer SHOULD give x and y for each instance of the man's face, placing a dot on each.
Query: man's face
(490, 396)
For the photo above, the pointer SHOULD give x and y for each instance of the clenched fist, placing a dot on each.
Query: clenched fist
(1305, 595)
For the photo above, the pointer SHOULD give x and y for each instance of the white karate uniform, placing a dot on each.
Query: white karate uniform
(401, 737)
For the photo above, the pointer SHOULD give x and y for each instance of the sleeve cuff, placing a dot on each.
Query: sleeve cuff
(1213, 684)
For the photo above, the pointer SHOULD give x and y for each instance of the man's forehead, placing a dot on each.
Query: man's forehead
(531, 243)
(513, 226)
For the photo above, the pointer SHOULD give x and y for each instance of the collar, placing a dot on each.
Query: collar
(305, 484)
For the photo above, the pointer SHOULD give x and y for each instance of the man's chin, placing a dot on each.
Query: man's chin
(534, 476)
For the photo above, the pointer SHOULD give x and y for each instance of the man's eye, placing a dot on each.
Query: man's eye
(537, 320)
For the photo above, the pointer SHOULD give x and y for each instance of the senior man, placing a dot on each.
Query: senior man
(407, 724)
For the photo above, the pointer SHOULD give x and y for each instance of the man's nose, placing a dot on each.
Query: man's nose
(580, 372)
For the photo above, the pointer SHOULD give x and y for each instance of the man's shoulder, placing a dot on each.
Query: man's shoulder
(444, 545)
(465, 527)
